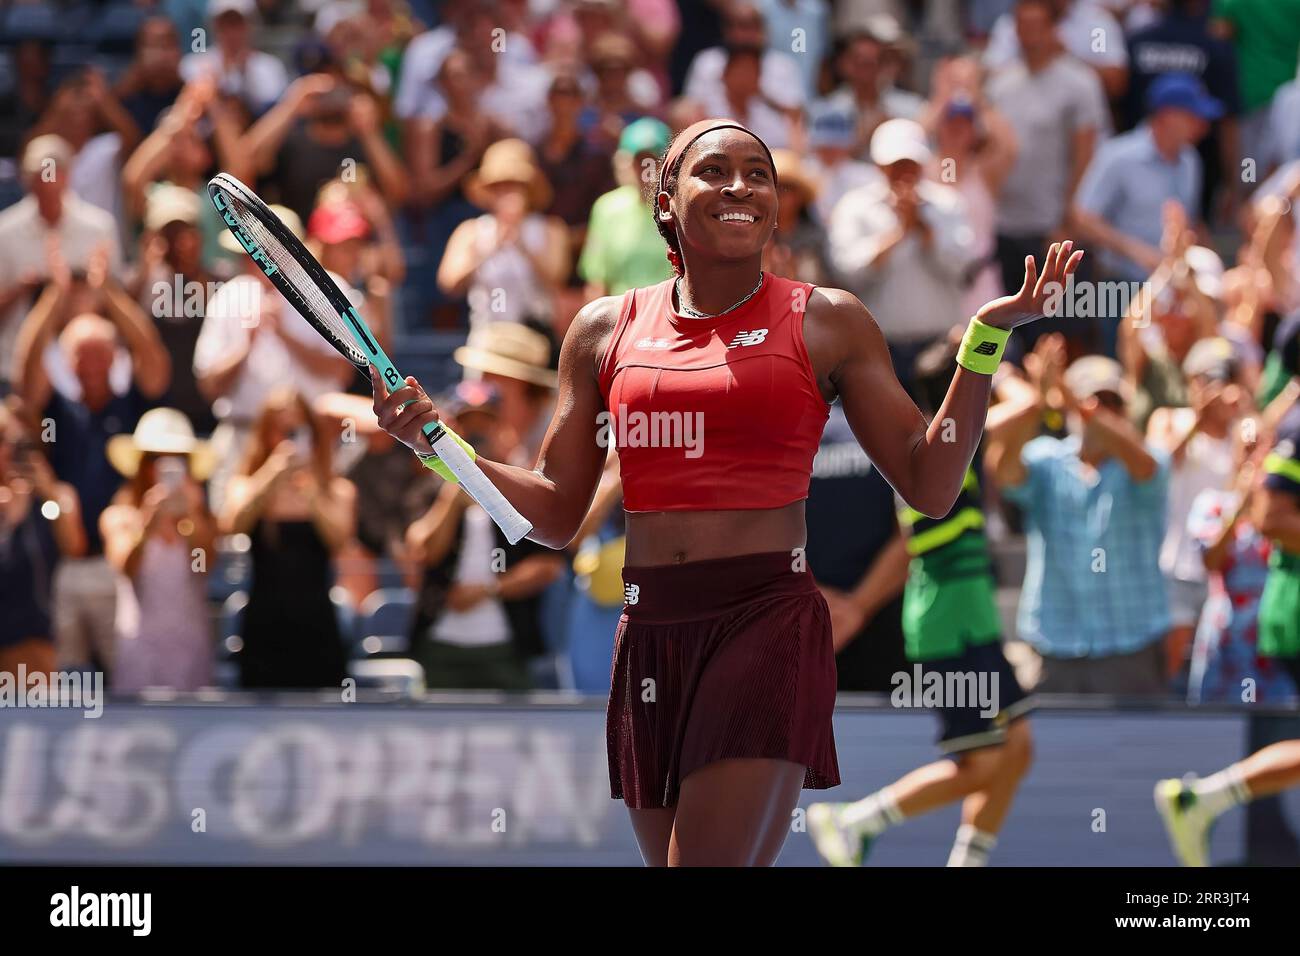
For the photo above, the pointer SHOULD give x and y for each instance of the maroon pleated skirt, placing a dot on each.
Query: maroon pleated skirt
(719, 659)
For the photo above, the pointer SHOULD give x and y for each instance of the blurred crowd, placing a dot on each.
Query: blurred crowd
(193, 488)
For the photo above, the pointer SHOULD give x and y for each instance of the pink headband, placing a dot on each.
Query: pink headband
(693, 132)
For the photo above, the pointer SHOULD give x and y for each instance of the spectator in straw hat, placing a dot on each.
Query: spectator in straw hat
(510, 260)
(158, 535)
(40, 521)
(518, 361)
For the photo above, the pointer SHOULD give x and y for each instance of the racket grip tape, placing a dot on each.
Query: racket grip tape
(479, 486)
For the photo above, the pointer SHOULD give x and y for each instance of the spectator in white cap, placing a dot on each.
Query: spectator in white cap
(172, 285)
(50, 215)
(1176, 308)
(256, 77)
(1094, 604)
(904, 245)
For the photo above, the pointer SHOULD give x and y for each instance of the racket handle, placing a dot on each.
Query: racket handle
(479, 486)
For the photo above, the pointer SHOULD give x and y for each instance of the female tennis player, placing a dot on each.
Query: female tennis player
(715, 386)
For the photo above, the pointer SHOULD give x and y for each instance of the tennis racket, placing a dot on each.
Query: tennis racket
(305, 284)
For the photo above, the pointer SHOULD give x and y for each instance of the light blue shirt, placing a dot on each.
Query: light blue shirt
(1127, 184)
(810, 16)
(1092, 582)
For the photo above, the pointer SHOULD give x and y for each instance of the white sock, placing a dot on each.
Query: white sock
(873, 814)
(972, 847)
(1222, 791)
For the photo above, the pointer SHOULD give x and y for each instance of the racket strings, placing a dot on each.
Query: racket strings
(298, 285)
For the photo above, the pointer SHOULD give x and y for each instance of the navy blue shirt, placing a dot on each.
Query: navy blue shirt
(1179, 44)
(77, 451)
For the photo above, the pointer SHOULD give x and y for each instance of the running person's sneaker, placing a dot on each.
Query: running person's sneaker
(838, 843)
(1187, 822)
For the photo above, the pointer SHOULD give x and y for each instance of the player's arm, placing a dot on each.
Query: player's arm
(556, 493)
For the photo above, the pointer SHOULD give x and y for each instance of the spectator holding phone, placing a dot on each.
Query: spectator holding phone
(305, 140)
(40, 524)
(158, 536)
(74, 391)
(298, 514)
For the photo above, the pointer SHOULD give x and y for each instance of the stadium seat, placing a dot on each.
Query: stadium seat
(346, 614)
(230, 573)
(229, 643)
(384, 621)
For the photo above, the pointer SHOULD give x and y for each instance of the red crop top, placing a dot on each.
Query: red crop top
(712, 414)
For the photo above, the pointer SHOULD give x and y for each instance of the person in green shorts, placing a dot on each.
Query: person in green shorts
(952, 635)
(1190, 806)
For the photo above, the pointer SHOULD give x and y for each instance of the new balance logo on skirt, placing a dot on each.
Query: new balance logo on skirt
(631, 593)
(748, 338)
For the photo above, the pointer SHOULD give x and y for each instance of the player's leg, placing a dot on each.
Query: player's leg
(983, 812)
(1190, 806)
(654, 829)
(843, 832)
(735, 812)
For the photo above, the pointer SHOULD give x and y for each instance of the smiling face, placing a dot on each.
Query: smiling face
(724, 201)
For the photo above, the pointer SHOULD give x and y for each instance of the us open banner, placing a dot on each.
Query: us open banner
(505, 784)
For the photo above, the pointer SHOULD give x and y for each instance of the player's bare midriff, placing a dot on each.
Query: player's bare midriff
(675, 537)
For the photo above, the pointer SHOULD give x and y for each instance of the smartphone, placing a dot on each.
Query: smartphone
(302, 443)
(171, 472)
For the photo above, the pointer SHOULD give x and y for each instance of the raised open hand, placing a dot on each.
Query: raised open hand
(1027, 304)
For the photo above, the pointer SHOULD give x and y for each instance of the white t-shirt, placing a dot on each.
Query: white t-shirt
(1206, 465)
(260, 83)
(1087, 31)
(486, 622)
(229, 321)
(779, 77)
(23, 234)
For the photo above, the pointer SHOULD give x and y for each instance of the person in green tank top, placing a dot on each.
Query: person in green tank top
(953, 636)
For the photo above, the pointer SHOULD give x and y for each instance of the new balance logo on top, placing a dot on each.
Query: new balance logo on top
(748, 338)
(648, 344)
(631, 593)
(986, 348)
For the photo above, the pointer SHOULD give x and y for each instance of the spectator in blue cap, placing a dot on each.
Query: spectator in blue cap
(1132, 175)
(832, 136)
(1118, 208)
(624, 249)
